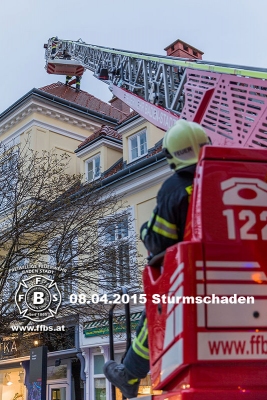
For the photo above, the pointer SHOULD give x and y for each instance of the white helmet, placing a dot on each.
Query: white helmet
(182, 143)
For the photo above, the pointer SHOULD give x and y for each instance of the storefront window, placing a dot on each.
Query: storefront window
(58, 393)
(100, 388)
(98, 364)
(99, 378)
(118, 358)
(12, 384)
(59, 372)
(145, 386)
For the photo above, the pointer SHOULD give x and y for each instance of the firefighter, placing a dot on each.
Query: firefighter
(66, 55)
(68, 78)
(78, 82)
(54, 40)
(181, 146)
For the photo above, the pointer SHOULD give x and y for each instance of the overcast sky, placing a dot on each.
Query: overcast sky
(231, 31)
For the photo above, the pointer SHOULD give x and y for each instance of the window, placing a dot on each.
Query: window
(63, 253)
(99, 378)
(117, 252)
(57, 372)
(8, 294)
(13, 280)
(195, 53)
(92, 168)
(138, 145)
(8, 180)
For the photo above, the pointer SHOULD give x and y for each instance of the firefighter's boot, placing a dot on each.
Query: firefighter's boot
(120, 377)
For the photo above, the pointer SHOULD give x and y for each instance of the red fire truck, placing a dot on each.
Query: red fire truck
(208, 323)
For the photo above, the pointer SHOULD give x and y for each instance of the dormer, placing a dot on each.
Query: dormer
(138, 137)
(99, 152)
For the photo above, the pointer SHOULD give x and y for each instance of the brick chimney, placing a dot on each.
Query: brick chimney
(120, 105)
(183, 50)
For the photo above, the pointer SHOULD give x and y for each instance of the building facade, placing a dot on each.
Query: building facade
(59, 119)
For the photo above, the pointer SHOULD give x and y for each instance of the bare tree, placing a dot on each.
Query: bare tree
(65, 246)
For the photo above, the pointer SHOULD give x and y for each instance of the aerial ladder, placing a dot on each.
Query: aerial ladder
(202, 351)
(229, 101)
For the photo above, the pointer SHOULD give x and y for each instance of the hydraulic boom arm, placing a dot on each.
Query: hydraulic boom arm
(229, 101)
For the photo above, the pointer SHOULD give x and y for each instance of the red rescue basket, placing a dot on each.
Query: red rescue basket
(60, 66)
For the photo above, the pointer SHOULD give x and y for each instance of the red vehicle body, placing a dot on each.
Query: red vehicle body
(215, 351)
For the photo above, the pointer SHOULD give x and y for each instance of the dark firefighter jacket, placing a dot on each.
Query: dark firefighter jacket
(167, 223)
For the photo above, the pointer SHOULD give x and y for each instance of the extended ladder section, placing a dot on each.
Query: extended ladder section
(229, 101)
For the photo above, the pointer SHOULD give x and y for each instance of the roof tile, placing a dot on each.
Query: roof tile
(129, 116)
(83, 99)
(103, 131)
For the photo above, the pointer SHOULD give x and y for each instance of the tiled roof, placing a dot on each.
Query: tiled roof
(83, 99)
(103, 131)
(156, 149)
(120, 164)
(129, 116)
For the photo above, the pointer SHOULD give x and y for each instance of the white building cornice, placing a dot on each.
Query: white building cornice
(132, 125)
(36, 123)
(53, 111)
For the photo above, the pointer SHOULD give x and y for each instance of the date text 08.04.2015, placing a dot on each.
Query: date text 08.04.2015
(116, 298)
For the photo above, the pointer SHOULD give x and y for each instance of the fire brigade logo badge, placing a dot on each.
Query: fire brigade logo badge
(37, 298)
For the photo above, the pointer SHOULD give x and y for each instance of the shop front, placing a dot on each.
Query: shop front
(64, 367)
(12, 383)
(94, 343)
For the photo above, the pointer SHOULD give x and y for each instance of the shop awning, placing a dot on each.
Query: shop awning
(100, 327)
